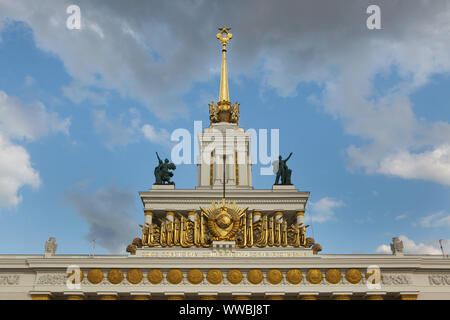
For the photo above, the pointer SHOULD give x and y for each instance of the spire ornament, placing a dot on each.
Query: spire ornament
(224, 111)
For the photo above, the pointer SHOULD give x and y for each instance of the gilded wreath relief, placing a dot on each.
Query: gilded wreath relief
(223, 221)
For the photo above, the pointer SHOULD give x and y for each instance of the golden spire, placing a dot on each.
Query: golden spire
(224, 36)
(224, 111)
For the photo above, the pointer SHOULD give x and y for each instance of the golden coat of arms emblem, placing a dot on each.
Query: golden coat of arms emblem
(224, 219)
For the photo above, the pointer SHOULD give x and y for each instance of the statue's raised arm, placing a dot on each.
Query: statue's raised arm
(159, 159)
(290, 154)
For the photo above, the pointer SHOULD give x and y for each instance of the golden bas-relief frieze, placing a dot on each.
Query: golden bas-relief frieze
(224, 221)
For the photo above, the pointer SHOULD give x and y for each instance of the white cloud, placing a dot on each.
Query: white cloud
(383, 249)
(18, 121)
(152, 134)
(126, 129)
(431, 165)
(108, 212)
(401, 216)
(323, 210)
(440, 219)
(410, 247)
(15, 172)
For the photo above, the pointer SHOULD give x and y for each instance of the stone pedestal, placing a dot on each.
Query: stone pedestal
(163, 187)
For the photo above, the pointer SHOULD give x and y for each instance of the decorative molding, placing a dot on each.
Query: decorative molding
(9, 280)
(238, 254)
(396, 279)
(208, 201)
(52, 279)
(439, 280)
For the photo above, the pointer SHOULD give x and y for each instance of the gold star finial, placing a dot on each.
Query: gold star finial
(224, 29)
(224, 36)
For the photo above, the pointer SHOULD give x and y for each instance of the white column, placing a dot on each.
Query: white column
(191, 216)
(256, 216)
(300, 217)
(279, 216)
(169, 215)
(148, 217)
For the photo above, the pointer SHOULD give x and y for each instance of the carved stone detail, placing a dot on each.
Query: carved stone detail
(439, 279)
(52, 279)
(9, 280)
(396, 279)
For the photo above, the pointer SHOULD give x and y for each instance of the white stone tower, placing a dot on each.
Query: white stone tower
(224, 143)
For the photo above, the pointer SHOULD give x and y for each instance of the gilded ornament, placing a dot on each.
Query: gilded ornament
(195, 276)
(155, 276)
(234, 276)
(353, 276)
(115, 276)
(214, 276)
(95, 276)
(255, 276)
(333, 276)
(274, 276)
(314, 276)
(174, 276)
(223, 219)
(134, 276)
(294, 276)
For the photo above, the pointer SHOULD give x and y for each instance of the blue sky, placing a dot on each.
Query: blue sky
(365, 112)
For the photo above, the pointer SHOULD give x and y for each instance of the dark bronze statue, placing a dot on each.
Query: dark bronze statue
(283, 171)
(162, 173)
